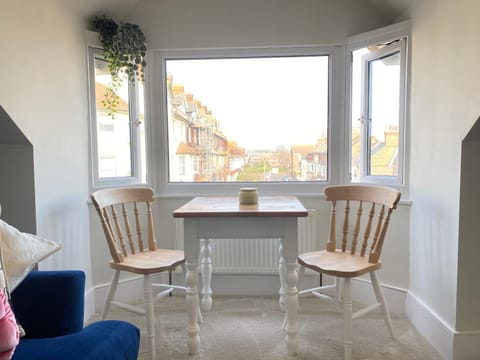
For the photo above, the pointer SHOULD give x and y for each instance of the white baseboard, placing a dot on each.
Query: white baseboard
(465, 345)
(89, 304)
(450, 343)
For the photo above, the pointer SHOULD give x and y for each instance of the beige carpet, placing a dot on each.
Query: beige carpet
(242, 328)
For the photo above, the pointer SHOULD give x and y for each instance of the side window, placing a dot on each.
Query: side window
(118, 139)
(378, 112)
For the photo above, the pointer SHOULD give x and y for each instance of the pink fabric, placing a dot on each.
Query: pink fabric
(9, 335)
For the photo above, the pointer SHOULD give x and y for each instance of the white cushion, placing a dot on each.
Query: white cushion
(21, 251)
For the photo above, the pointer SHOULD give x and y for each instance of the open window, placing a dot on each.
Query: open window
(378, 107)
(118, 141)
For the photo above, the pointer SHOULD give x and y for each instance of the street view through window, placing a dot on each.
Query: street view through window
(379, 96)
(115, 134)
(261, 119)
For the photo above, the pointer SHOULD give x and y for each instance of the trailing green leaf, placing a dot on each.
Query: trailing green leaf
(125, 50)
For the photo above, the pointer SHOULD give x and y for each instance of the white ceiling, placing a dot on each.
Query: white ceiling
(120, 9)
(117, 9)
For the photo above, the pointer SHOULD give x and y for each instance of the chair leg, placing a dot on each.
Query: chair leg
(338, 290)
(150, 315)
(347, 318)
(381, 299)
(110, 294)
(300, 276)
(301, 273)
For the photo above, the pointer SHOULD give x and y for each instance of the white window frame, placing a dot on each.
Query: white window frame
(385, 35)
(339, 118)
(135, 150)
(159, 122)
(366, 123)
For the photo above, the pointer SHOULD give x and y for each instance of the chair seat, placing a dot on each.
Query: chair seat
(338, 263)
(150, 262)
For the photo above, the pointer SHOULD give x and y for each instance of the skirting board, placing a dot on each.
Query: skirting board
(89, 307)
(451, 344)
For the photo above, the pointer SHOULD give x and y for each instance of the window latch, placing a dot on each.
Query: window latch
(137, 122)
(363, 119)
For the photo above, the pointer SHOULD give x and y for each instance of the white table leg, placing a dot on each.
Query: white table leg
(282, 271)
(290, 243)
(206, 268)
(191, 245)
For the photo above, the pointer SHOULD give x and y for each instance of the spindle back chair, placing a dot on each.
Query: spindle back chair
(127, 221)
(354, 247)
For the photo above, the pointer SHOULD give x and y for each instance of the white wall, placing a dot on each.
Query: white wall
(174, 24)
(444, 105)
(43, 88)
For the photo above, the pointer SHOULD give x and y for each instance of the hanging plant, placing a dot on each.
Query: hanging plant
(124, 49)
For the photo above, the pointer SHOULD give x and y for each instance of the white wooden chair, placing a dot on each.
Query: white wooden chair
(359, 250)
(134, 249)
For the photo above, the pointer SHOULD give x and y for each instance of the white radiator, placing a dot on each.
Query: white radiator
(254, 256)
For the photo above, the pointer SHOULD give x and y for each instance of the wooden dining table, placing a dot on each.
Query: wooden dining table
(222, 217)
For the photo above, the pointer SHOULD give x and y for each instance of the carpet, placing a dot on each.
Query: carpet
(241, 328)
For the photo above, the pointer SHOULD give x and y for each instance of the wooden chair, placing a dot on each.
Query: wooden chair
(358, 252)
(134, 249)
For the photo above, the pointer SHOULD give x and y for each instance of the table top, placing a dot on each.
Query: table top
(228, 206)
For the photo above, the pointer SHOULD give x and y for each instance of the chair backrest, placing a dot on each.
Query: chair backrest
(116, 209)
(372, 206)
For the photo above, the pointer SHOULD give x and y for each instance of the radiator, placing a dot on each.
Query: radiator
(253, 256)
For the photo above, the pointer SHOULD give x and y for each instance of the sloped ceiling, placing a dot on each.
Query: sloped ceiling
(391, 8)
(117, 9)
(9, 131)
(121, 9)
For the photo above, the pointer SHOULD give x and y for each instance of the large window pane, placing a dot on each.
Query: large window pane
(377, 113)
(113, 133)
(384, 94)
(248, 119)
(120, 136)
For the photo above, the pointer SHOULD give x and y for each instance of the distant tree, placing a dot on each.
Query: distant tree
(254, 171)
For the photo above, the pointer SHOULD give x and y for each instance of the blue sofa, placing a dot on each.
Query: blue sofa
(50, 307)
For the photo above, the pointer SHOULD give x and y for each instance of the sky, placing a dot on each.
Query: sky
(261, 103)
(385, 93)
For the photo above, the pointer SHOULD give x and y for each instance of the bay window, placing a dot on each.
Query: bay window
(285, 120)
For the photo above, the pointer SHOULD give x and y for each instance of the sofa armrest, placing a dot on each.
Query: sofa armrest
(102, 340)
(50, 303)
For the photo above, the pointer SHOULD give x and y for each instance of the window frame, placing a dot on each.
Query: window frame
(399, 32)
(159, 135)
(397, 47)
(339, 117)
(95, 51)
